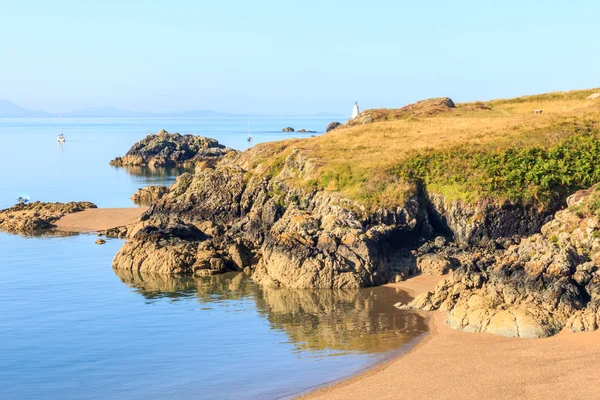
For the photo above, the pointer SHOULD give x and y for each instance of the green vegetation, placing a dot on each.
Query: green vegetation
(593, 205)
(520, 174)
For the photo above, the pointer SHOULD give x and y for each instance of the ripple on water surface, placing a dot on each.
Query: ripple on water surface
(72, 328)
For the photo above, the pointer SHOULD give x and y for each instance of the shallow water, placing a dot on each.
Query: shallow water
(34, 165)
(72, 328)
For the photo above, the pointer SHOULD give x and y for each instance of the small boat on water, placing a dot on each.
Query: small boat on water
(250, 140)
(61, 138)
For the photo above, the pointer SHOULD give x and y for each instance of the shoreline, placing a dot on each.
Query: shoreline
(98, 219)
(413, 286)
(448, 363)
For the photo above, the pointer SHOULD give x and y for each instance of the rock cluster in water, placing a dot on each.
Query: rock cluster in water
(166, 149)
(28, 218)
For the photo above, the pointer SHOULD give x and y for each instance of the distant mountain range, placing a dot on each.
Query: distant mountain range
(8, 109)
(11, 110)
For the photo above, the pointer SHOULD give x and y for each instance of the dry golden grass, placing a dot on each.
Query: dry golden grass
(356, 160)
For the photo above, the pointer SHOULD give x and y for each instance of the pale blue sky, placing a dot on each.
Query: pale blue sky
(278, 57)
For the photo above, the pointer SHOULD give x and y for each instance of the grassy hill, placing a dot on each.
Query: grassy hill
(496, 150)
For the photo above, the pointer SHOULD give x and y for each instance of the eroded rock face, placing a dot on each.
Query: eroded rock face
(534, 288)
(166, 149)
(147, 195)
(485, 222)
(28, 218)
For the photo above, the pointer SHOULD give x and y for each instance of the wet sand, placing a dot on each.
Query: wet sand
(97, 219)
(455, 364)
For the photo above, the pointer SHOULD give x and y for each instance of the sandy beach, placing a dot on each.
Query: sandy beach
(97, 219)
(454, 364)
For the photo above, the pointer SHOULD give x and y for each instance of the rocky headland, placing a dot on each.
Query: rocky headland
(306, 214)
(166, 149)
(36, 216)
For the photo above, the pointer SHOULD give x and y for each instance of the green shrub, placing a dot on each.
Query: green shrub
(527, 175)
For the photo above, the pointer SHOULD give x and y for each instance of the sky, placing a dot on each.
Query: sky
(280, 57)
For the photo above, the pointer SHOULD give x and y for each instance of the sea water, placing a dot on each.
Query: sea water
(72, 328)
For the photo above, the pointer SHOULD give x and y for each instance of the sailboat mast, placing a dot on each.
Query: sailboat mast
(61, 124)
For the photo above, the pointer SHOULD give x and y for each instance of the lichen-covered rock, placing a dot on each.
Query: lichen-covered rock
(166, 149)
(147, 195)
(534, 288)
(28, 218)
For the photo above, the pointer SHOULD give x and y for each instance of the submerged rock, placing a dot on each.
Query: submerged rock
(28, 218)
(166, 149)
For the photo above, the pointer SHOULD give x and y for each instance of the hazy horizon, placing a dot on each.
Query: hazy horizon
(305, 58)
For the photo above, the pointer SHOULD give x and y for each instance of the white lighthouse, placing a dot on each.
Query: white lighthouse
(355, 110)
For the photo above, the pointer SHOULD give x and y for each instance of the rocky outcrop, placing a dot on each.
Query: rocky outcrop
(288, 129)
(147, 195)
(244, 215)
(332, 126)
(420, 109)
(29, 218)
(231, 218)
(305, 131)
(166, 149)
(534, 288)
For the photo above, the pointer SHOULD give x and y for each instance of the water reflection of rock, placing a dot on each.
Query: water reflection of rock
(338, 320)
(207, 289)
(151, 172)
(357, 320)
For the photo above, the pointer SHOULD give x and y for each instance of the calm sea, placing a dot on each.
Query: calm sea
(72, 328)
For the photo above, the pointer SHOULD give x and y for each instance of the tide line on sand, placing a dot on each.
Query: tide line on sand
(455, 364)
(98, 219)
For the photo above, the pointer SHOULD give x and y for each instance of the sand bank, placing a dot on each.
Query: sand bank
(97, 219)
(455, 364)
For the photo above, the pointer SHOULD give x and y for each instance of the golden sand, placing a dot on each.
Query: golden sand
(451, 364)
(97, 219)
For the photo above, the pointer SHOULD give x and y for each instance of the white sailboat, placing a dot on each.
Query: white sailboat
(250, 140)
(61, 138)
